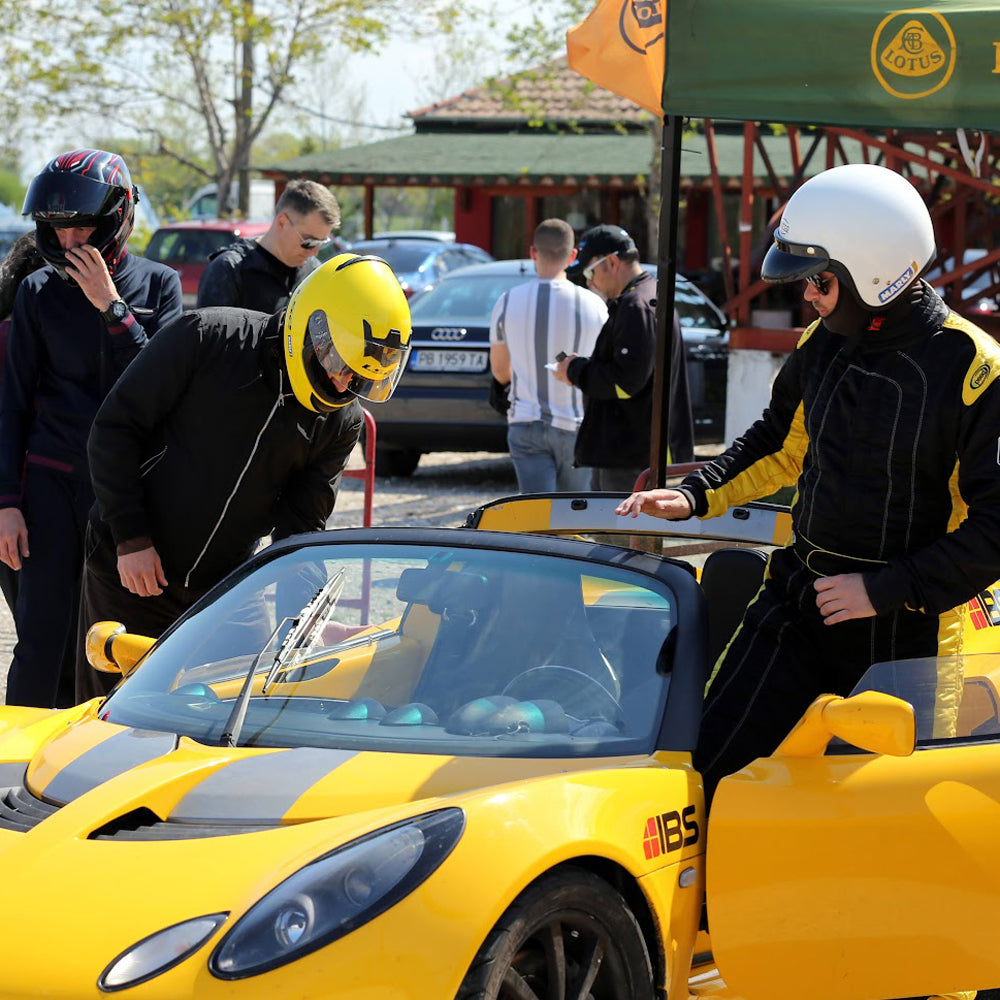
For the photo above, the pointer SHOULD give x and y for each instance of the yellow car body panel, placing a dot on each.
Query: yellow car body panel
(869, 873)
(838, 876)
(548, 811)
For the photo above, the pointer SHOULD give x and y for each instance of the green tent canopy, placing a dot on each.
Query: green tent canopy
(844, 62)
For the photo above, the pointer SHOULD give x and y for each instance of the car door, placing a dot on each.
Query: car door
(852, 874)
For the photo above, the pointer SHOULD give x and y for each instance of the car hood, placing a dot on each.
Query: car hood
(102, 773)
(96, 818)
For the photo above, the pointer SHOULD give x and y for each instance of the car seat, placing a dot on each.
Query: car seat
(496, 629)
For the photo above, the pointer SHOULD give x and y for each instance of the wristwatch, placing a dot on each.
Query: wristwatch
(115, 312)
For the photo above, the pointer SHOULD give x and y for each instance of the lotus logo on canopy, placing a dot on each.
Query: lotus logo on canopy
(913, 53)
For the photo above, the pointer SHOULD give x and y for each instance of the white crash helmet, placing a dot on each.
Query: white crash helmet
(866, 224)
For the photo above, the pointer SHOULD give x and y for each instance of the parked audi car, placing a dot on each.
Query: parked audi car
(418, 261)
(442, 401)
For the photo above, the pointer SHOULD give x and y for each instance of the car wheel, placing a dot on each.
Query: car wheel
(396, 461)
(570, 936)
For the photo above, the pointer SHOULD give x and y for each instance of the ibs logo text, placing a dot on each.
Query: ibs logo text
(913, 53)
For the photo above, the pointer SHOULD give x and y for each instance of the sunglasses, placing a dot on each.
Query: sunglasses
(307, 242)
(821, 284)
(588, 271)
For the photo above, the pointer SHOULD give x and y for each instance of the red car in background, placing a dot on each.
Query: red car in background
(186, 247)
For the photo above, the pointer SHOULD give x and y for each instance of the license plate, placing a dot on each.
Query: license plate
(449, 361)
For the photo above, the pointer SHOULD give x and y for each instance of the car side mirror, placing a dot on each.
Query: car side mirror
(871, 720)
(112, 650)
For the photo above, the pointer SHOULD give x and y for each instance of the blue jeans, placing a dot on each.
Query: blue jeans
(543, 458)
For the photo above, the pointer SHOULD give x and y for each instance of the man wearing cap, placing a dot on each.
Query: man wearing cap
(617, 379)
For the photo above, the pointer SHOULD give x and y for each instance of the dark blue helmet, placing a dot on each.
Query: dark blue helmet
(85, 187)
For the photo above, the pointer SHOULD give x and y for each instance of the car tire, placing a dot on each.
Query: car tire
(396, 461)
(568, 935)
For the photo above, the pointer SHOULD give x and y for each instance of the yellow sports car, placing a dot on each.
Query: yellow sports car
(451, 763)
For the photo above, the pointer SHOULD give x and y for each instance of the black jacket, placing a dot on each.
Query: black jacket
(891, 438)
(62, 359)
(617, 385)
(244, 274)
(202, 447)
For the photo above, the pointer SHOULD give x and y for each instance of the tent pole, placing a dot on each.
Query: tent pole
(666, 276)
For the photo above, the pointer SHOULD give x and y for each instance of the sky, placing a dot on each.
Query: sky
(403, 77)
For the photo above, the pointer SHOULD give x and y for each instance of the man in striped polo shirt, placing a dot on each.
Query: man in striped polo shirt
(532, 326)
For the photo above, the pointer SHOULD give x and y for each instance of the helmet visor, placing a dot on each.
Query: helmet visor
(786, 262)
(58, 195)
(372, 376)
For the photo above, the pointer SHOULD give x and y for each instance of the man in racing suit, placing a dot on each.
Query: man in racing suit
(886, 417)
(235, 426)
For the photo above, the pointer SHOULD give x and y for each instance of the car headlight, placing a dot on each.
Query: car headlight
(158, 952)
(336, 894)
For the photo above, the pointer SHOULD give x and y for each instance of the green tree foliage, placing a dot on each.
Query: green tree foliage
(198, 80)
(11, 189)
(543, 35)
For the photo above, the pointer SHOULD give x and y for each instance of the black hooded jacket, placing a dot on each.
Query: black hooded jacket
(617, 385)
(202, 447)
(244, 274)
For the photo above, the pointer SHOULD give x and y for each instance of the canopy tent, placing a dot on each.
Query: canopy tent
(843, 62)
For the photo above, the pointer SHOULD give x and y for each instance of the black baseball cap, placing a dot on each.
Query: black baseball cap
(600, 241)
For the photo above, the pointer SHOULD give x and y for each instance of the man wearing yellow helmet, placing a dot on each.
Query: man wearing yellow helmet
(237, 425)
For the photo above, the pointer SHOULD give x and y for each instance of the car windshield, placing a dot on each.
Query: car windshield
(176, 245)
(695, 310)
(954, 698)
(402, 259)
(466, 298)
(422, 649)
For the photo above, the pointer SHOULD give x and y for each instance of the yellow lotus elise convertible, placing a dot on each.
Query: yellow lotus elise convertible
(426, 764)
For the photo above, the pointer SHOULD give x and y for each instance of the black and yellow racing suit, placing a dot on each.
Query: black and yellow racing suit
(892, 439)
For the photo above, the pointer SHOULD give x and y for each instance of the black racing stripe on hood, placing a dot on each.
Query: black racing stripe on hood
(107, 760)
(258, 789)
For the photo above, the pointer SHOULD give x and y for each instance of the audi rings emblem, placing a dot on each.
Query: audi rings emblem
(448, 333)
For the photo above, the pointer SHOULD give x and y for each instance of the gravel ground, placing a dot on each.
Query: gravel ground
(444, 488)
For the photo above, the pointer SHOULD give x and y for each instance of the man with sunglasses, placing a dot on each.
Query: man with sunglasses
(885, 418)
(617, 378)
(260, 273)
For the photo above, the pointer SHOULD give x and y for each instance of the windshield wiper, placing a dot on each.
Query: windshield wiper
(308, 626)
(305, 628)
(234, 723)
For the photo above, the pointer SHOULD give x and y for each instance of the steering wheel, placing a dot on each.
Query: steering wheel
(578, 693)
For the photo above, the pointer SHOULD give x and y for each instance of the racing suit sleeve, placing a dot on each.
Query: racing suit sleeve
(966, 560)
(219, 285)
(128, 418)
(631, 363)
(307, 500)
(768, 456)
(143, 321)
(17, 399)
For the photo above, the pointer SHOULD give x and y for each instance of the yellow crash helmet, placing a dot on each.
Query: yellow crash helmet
(347, 333)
